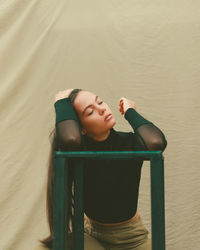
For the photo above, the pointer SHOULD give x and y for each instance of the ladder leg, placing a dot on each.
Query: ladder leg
(60, 204)
(157, 203)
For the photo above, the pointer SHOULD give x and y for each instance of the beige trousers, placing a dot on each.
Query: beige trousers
(89, 244)
(128, 236)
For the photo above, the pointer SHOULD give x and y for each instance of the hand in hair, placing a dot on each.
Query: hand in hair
(125, 104)
(62, 94)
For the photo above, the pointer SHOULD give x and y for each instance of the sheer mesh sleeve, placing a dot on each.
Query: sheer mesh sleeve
(148, 135)
(68, 132)
(151, 137)
(68, 137)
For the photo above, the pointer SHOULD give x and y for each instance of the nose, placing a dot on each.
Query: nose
(101, 110)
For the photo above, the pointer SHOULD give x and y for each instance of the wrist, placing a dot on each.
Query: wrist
(64, 110)
(128, 109)
(61, 100)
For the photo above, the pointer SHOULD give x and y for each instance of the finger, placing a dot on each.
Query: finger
(122, 98)
(121, 101)
(121, 107)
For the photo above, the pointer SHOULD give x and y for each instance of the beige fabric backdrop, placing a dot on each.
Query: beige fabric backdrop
(147, 51)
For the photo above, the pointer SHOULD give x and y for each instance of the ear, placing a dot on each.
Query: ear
(83, 131)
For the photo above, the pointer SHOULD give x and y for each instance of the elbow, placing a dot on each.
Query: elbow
(71, 144)
(159, 145)
(164, 145)
(74, 144)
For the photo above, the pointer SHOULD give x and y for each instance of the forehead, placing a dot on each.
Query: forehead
(83, 99)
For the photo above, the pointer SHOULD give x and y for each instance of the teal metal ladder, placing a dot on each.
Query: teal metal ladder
(60, 198)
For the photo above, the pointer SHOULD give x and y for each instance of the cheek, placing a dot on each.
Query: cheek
(93, 123)
(87, 122)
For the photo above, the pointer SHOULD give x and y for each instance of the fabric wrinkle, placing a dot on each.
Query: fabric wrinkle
(125, 236)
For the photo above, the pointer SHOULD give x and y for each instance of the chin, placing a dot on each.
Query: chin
(113, 123)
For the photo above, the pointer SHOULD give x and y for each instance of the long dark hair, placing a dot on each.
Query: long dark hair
(49, 196)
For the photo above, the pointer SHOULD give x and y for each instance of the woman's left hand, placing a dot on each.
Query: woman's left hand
(125, 104)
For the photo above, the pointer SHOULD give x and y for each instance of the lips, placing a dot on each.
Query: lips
(107, 117)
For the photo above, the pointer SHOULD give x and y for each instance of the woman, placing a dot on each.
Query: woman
(111, 187)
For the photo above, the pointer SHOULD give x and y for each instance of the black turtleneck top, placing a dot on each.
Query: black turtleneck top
(111, 186)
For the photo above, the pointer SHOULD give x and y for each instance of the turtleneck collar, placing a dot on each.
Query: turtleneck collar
(105, 144)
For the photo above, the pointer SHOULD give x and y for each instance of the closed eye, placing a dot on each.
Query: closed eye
(92, 110)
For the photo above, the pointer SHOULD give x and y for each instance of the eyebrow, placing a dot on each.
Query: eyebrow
(89, 105)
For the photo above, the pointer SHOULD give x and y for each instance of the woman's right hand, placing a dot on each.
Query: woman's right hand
(125, 104)
(62, 94)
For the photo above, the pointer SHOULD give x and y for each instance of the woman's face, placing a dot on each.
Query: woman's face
(92, 111)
